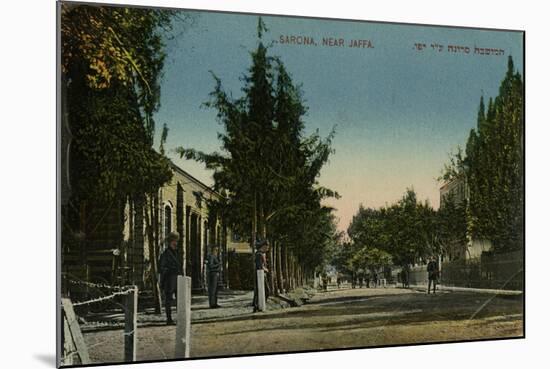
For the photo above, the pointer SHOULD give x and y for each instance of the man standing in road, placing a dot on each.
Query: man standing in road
(213, 268)
(406, 272)
(433, 273)
(170, 266)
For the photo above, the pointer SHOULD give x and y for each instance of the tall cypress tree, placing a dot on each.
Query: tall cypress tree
(493, 167)
(268, 169)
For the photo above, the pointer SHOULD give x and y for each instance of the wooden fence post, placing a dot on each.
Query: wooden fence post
(130, 324)
(261, 290)
(183, 328)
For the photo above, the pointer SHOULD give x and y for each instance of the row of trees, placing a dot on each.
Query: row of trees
(397, 234)
(403, 233)
(268, 169)
(491, 207)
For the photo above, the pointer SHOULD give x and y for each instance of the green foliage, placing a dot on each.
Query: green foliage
(452, 228)
(493, 167)
(370, 259)
(111, 62)
(400, 233)
(267, 167)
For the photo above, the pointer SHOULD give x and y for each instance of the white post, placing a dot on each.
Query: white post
(261, 290)
(183, 328)
(315, 281)
(130, 325)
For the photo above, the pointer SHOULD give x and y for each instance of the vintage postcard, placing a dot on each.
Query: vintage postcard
(244, 184)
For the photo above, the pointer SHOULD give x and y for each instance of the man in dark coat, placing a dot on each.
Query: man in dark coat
(262, 246)
(406, 271)
(433, 273)
(170, 266)
(213, 268)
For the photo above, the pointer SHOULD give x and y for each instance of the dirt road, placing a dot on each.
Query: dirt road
(335, 319)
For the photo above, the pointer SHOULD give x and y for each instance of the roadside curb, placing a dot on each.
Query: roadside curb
(468, 289)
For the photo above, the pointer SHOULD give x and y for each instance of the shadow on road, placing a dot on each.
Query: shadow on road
(382, 310)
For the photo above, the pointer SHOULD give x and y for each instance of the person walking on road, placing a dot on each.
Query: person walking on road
(213, 268)
(170, 266)
(325, 281)
(406, 272)
(433, 273)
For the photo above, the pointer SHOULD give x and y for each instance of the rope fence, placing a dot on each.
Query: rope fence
(103, 298)
(75, 350)
(96, 285)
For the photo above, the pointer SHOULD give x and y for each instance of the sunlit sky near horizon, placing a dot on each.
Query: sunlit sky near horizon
(398, 111)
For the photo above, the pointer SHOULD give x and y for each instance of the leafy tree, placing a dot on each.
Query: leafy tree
(111, 62)
(368, 258)
(404, 231)
(268, 168)
(452, 228)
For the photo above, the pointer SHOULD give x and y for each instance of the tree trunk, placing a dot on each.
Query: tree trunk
(272, 269)
(299, 275)
(293, 271)
(279, 269)
(253, 243)
(286, 271)
(150, 224)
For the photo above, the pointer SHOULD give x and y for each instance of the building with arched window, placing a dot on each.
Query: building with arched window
(184, 208)
(127, 238)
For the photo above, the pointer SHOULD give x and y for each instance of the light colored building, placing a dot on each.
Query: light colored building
(184, 208)
(117, 247)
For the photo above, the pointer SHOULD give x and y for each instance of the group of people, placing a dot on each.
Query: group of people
(170, 266)
(360, 279)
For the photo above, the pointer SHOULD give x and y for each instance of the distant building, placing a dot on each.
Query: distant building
(459, 191)
(456, 189)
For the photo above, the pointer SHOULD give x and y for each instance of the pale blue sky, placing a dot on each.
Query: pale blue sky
(398, 111)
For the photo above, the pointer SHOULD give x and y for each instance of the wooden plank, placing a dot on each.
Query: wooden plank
(75, 332)
(68, 345)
